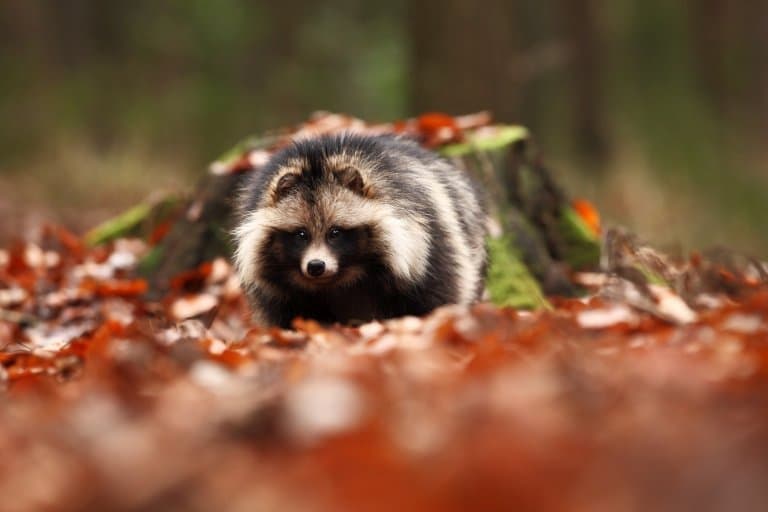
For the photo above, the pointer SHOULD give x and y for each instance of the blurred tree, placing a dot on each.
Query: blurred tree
(758, 45)
(730, 41)
(462, 57)
(502, 56)
(710, 20)
(585, 78)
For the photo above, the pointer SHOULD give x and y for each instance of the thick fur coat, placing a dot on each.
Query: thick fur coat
(353, 228)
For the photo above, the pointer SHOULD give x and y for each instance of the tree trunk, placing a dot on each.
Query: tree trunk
(462, 56)
(579, 18)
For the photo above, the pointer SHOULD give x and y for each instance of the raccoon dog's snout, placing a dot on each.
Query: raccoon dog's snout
(315, 268)
(319, 261)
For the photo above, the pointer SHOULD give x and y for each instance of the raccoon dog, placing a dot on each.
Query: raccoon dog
(352, 228)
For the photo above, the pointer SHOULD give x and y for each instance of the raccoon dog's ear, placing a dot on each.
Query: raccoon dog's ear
(352, 179)
(285, 184)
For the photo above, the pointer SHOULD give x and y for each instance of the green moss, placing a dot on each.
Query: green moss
(509, 281)
(151, 260)
(504, 136)
(125, 224)
(581, 244)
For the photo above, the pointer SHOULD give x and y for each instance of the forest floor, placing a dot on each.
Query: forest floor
(609, 402)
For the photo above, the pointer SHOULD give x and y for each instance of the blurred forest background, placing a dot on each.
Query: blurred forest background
(656, 110)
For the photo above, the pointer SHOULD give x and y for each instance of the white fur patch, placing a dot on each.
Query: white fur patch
(406, 240)
(467, 271)
(251, 234)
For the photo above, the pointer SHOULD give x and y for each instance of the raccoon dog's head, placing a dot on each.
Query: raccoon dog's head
(314, 220)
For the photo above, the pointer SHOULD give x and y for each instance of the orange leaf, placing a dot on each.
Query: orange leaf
(588, 213)
(192, 280)
(117, 287)
(437, 128)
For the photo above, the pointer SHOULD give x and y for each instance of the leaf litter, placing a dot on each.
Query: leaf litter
(649, 392)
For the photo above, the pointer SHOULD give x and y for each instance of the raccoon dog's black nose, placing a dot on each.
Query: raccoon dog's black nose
(315, 268)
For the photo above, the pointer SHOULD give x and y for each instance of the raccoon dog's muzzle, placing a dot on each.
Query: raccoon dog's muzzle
(319, 262)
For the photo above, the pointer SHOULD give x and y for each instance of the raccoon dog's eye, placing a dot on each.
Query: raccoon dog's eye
(334, 232)
(302, 235)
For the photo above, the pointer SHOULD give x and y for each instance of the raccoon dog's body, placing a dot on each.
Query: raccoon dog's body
(354, 228)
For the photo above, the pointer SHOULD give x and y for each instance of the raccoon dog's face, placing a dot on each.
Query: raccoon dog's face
(316, 231)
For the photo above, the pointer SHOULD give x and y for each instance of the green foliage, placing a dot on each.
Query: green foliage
(125, 224)
(505, 136)
(139, 220)
(151, 261)
(509, 281)
(581, 245)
